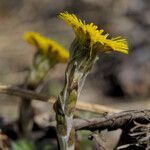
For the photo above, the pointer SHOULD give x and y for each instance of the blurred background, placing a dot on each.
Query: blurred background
(117, 80)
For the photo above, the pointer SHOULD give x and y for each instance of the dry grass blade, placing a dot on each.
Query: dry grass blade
(86, 106)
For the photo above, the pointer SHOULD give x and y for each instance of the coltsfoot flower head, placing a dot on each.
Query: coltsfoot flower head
(90, 33)
(47, 46)
(88, 42)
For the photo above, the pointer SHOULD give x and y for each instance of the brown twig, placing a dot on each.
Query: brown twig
(16, 91)
(114, 121)
(111, 122)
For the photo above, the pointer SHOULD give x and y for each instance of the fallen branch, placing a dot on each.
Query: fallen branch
(114, 121)
(121, 120)
(16, 91)
(110, 122)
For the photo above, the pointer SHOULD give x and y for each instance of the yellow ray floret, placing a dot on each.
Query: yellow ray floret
(84, 31)
(47, 46)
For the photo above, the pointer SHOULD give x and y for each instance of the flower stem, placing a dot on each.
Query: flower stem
(76, 72)
(65, 107)
(40, 68)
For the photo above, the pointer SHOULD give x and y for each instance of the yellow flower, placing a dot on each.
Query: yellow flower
(89, 32)
(47, 46)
